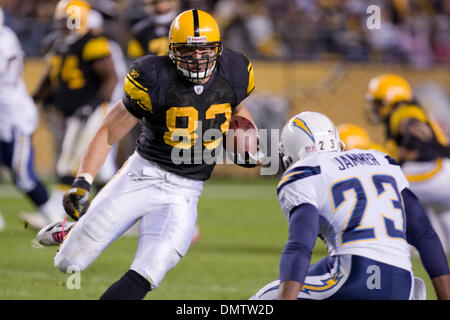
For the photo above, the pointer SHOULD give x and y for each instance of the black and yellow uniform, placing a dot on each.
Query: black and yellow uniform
(430, 150)
(148, 38)
(74, 83)
(176, 113)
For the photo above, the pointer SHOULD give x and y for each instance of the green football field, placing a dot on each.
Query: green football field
(242, 235)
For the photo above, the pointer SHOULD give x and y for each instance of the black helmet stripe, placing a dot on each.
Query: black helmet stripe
(196, 23)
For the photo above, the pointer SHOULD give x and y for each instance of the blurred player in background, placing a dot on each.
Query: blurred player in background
(81, 81)
(356, 137)
(417, 142)
(362, 220)
(18, 119)
(149, 36)
(177, 98)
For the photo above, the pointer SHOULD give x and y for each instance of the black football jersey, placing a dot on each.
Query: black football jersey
(73, 81)
(430, 150)
(176, 113)
(148, 38)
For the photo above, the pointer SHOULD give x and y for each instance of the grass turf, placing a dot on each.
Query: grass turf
(242, 235)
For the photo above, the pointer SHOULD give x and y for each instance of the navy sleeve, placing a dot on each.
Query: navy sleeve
(421, 235)
(303, 230)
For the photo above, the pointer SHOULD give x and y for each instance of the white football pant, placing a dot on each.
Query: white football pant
(430, 181)
(77, 137)
(165, 202)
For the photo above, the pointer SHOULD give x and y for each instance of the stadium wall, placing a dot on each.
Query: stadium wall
(334, 88)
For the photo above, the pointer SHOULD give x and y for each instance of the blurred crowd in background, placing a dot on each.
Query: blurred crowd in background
(416, 32)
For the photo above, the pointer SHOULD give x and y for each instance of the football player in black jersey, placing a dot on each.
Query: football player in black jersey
(178, 98)
(418, 143)
(149, 36)
(79, 83)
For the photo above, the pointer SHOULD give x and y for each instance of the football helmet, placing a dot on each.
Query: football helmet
(353, 136)
(73, 15)
(194, 30)
(356, 137)
(383, 92)
(306, 134)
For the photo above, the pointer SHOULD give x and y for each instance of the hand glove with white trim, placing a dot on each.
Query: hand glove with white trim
(76, 200)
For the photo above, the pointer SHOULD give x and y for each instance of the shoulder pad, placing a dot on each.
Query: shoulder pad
(96, 47)
(297, 172)
(403, 112)
(237, 69)
(151, 68)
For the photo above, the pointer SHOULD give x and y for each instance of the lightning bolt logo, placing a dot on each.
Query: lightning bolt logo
(299, 123)
(326, 284)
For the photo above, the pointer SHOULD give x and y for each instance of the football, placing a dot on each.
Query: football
(241, 142)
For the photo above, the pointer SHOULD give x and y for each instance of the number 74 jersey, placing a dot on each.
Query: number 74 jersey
(358, 196)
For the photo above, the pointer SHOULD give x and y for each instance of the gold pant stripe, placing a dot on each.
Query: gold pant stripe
(425, 176)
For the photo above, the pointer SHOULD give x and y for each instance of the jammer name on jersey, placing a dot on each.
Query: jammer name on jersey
(350, 160)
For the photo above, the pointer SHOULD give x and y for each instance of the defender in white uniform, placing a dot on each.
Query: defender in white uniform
(18, 120)
(354, 201)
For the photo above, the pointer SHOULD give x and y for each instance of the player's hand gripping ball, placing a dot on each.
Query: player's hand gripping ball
(242, 142)
(76, 200)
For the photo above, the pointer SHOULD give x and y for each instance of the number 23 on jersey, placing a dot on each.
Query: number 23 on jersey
(354, 228)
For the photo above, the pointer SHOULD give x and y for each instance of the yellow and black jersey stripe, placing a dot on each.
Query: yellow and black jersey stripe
(136, 91)
(251, 79)
(428, 150)
(404, 112)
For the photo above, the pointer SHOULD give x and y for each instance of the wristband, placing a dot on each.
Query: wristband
(87, 176)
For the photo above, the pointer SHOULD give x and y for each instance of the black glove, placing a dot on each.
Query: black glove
(76, 200)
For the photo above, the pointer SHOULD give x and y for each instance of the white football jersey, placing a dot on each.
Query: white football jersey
(17, 109)
(358, 196)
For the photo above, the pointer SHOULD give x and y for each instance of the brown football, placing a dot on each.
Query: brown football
(242, 136)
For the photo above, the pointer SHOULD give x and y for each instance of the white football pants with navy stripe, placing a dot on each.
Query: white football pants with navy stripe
(165, 202)
(430, 181)
(17, 155)
(351, 277)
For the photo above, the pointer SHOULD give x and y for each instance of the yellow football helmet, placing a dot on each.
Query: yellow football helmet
(383, 92)
(192, 30)
(353, 136)
(74, 14)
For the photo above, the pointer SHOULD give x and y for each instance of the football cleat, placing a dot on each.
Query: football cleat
(54, 233)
